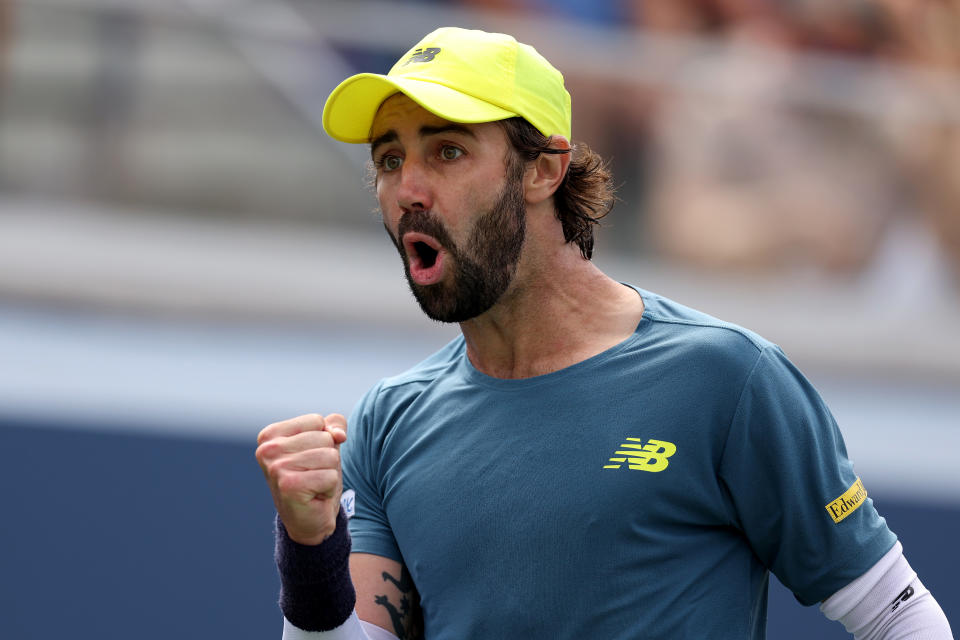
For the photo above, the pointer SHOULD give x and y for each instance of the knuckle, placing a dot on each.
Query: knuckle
(266, 433)
(329, 478)
(275, 470)
(288, 483)
(268, 450)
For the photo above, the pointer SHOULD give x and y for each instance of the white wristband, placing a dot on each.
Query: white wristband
(353, 629)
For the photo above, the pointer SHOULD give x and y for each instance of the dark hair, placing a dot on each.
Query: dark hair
(586, 193)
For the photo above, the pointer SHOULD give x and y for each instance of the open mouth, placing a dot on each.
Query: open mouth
(424, 257)
(426, 253)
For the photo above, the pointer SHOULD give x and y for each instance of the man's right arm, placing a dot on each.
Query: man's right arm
(300, 459)
(387, 605)
(386, 595)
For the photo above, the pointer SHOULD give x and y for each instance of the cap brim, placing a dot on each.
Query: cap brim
(349, 112)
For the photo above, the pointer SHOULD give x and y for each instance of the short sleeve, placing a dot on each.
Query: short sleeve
(369, 527)
(784, 465)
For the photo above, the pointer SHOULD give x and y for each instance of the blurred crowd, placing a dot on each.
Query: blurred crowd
(5, 18)
(746, 177)
(760, 155)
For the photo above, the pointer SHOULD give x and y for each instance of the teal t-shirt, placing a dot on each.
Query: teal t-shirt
(642, 493)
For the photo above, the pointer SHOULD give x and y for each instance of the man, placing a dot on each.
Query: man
(588, 460)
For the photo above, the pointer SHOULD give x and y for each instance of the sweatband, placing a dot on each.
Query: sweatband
(316, 593)
(864, 588)
(888, 602)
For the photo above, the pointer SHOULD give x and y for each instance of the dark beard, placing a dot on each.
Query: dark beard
(484, 268)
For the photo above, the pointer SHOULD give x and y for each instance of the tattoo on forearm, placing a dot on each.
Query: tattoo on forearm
(407, 618)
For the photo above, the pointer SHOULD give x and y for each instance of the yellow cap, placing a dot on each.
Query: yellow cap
(460, 75)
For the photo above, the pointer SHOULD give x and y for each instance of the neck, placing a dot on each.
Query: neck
(552, 318)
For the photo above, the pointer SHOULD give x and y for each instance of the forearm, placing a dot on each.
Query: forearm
(317, 596)
(316, 592)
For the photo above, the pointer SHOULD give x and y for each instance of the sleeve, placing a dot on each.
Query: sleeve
(888, 602)
(796, 497)
(361, 463)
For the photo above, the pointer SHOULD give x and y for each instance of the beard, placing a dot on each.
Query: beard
(483, 268)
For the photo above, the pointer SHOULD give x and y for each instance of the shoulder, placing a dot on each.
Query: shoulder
(428, 370)
(393, 393)
(698, 337)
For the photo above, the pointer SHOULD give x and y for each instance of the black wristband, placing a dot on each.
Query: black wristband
(316, 593)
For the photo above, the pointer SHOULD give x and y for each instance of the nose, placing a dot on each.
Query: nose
(414, 190)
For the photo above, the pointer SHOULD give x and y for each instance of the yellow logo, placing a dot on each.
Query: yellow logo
(849, 502)
(642, 457)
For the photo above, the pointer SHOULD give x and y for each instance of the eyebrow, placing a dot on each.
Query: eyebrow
(451, 127)
(425, 131)
(389, 136)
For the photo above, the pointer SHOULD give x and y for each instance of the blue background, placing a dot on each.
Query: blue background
(111, 534)
(134, 504)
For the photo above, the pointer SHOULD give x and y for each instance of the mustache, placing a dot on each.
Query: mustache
(425, 222)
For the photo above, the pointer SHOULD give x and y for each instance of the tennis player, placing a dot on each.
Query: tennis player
(588, 459)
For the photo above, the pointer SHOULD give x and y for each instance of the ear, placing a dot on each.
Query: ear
(544, 175)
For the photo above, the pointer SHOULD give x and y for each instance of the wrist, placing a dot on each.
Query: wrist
(313, 541)
(316, 593)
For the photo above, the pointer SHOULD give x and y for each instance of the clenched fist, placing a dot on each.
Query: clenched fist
(300, 458)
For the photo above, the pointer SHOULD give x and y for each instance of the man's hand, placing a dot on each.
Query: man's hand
(300, 458)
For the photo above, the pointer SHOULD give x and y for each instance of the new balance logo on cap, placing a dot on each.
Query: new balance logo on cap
(423, 55)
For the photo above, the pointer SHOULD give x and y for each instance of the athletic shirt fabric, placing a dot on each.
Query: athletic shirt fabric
(516, 517)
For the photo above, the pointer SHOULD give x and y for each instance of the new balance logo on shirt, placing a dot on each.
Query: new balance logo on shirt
(651, 456)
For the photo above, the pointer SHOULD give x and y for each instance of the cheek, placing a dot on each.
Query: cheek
(480, 197)
(389, 210)
(380, 188)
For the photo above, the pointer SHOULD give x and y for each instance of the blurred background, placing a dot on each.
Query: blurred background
(186, 257)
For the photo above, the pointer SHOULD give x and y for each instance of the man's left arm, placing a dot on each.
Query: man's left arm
(888, 602)
(826, 541)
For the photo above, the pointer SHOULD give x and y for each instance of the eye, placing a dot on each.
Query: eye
(449, 152)
(390, 162)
